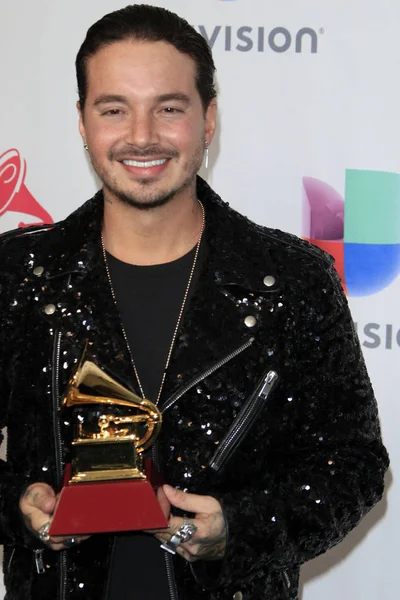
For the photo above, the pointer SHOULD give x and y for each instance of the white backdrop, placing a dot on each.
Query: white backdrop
(329, 107)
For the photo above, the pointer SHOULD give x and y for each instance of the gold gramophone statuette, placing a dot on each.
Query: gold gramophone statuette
(113, 448)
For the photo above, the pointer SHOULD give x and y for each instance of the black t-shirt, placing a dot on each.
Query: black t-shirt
(149, 299)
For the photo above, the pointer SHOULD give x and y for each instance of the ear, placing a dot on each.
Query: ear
(211, 120)
(81, 124)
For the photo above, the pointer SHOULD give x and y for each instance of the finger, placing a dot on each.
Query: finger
(35, 521)
(164, 502)
(72, 541)
(64, 543)
(176, 523)
(189, 548)
(162, 537)
(78, 538)
(39, 496)
(36, 504)
(165, 507)
(193, 503)
(182, 551)
(57, 542)
(55, 547)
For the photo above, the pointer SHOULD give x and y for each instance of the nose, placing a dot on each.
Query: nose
(142, 130)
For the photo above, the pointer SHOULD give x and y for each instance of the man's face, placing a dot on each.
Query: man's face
(144, 121)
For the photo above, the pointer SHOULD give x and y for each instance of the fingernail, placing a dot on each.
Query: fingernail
(168, 488)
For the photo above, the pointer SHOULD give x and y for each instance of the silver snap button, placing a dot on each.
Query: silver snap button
(50, 309)
(238, 596)
(38, 271)
(269, 281)
(250, 321)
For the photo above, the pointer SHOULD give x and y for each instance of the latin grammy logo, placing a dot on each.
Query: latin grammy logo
(15, 196)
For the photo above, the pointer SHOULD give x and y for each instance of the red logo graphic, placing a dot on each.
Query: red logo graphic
(18, 208)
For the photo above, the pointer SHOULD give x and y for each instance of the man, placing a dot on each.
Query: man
(270, 442)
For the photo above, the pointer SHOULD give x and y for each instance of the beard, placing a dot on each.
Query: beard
(149, 198)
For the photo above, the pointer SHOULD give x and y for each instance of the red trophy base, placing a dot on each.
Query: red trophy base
(100, 507)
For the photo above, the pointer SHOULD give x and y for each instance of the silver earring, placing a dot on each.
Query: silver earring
(86, 147)
(207, 155)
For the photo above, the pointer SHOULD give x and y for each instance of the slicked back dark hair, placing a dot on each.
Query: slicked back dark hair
(152, 24)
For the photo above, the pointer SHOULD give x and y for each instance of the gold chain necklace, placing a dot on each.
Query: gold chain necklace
(180, 311)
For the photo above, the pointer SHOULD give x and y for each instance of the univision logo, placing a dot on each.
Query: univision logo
(361, 231)
(260, 39)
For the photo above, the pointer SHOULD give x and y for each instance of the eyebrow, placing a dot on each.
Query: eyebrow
(178, 96)
(110, 98)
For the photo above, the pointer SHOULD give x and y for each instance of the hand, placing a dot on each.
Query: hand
(209, 541)
(37, 505)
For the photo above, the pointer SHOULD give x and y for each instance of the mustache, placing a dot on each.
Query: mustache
(132, 152)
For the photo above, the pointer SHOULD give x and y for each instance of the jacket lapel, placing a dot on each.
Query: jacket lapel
(75, 282)
(231, 301)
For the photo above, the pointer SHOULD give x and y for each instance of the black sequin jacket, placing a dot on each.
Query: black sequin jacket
(267, 404)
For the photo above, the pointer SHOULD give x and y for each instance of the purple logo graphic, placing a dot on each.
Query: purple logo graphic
(362, 231)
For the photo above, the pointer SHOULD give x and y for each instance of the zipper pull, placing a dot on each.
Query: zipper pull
(268, 383)
(39, 561)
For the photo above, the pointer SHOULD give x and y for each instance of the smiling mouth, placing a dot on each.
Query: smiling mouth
(145, 164)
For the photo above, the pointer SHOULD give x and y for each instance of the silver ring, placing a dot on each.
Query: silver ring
(185, 533)
(43, 533)
(71, 541)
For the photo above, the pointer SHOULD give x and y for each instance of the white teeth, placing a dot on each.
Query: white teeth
(144, 165)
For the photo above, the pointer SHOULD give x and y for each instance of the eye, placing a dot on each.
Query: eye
(171, 110)
(112, 112)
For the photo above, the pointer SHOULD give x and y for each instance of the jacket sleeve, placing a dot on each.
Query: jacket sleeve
(323, 467)
(12, 528)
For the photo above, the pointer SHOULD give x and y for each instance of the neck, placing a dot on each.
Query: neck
(150, 237)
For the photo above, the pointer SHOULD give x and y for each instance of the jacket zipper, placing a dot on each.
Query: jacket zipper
(169, 565)
(10, 560)
(243, 422)
(287, 580)
(175, 397)
(58, 448)
(107, 588)
(173, 591)
(55, 391)
(38, 561)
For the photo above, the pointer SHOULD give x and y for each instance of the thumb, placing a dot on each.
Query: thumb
(188, 502)
(40, 496)
(164, 502)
